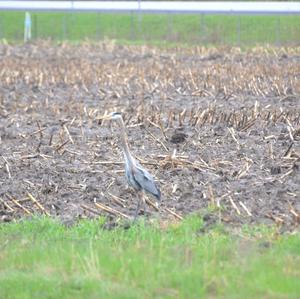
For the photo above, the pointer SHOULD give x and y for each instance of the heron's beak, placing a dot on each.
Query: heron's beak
(103, 118)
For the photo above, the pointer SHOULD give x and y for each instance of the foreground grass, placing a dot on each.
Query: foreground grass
(43, 259)
(208, 29)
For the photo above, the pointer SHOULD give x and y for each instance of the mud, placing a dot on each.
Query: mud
(219, 128)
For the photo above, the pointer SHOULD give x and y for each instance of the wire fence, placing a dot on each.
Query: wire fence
(192, 28)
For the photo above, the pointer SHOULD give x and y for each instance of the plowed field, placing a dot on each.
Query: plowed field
(219, 128)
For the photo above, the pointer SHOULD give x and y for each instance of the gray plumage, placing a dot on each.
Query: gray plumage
(140, 179)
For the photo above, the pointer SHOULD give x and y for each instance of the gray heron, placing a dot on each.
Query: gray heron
(137, 176)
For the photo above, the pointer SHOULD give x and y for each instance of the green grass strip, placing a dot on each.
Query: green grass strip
(155, 28)
(41, 258)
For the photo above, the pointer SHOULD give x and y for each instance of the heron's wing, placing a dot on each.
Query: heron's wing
(129, 174)
(146, 181)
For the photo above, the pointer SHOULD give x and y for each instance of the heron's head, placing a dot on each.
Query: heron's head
(112, 116)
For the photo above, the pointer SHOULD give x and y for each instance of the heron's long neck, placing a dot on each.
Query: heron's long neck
(125, 142)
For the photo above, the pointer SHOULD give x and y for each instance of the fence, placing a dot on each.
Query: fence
(219, 25)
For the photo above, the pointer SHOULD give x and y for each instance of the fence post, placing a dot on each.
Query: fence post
(98, 26)
(202, 25)
(35, 24)
(27, 27)
(170, 26)
(64, 26)
(140, 31)
(1, 28)
(132, 33)
(238, 31)
(278, 32)
(72, 20)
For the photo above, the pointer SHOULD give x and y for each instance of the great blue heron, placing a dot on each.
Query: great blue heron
(137, 177)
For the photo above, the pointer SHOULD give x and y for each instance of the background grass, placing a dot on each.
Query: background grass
(40, 258)
(205, 29)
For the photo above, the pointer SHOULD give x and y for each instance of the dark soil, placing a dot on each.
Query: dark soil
(218, 129)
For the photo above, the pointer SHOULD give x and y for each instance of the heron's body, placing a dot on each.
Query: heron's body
(140, 179)
(137, 177)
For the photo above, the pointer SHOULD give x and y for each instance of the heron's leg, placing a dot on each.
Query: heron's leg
(136, 213)
(144, 203)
